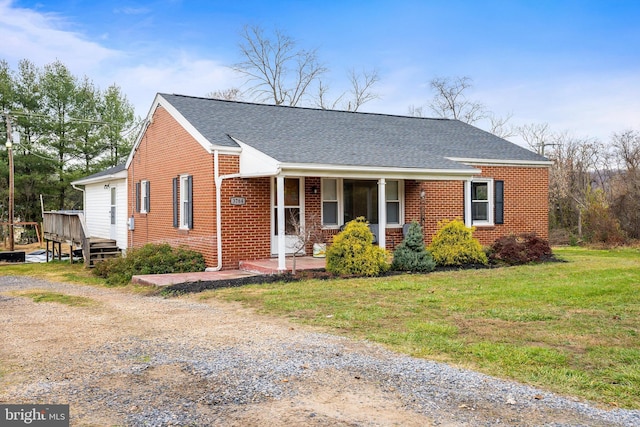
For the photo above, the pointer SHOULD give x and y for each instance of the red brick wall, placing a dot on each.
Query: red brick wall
(166, 151)
(525, 202)
(246, 228)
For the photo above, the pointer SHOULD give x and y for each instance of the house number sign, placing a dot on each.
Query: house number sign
(238, 201)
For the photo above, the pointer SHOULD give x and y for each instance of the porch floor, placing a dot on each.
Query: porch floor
(247, 269)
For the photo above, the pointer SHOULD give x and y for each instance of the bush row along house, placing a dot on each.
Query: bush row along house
(232, 179)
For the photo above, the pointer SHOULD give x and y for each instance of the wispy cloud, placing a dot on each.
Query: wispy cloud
(132, 10)
(42, 38)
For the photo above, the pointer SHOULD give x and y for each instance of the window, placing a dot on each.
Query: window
(487, 202)
(480, 201)
(143, 203)
(393, 202)
(344, 200)
(183, 202)
(330, 202)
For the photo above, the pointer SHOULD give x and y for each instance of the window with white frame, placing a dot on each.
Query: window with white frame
(143, 202)
(393, 202)
(330, 202)
(482, 203)
(344, 200)
(186, 203)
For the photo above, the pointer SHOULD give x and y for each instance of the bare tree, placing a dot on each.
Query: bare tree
(360, 93)
(279, 71)
(231, 94)
(625, 182)
(450, 100)
(500, 127)
(538, 136)
(572, 177)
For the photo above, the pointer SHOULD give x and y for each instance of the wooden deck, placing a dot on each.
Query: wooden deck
(69, 227)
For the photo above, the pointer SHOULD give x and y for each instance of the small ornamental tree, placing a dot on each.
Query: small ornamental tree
(454, 245)
(353, 253)
(411, 255)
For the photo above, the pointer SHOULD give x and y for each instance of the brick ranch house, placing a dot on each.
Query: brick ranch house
(229, 179)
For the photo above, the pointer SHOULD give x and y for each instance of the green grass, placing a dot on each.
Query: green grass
(571, 327)
(63, 271)
(46, 296)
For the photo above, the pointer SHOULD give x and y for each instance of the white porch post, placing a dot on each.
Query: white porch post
(467, 203)
(282, 266)
(382, 213)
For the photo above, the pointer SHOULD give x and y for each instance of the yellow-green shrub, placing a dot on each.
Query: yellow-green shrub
(454, 245)
(353, 253)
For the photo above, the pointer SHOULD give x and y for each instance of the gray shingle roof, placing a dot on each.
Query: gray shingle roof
(313, 136)
(107, 172)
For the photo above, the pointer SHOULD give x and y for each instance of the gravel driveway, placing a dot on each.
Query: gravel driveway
(149, 361)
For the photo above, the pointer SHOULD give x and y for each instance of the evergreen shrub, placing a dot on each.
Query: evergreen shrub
(149, 259)
(411, 254)
(353, 253)
(454, 245)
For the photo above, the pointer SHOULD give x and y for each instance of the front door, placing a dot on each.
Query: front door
(114, 229)
(294, 217)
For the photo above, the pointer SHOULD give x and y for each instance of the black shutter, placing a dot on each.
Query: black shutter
(189, 208)
(176, 203)
(499, 202)
(138, 196)
(147, 202)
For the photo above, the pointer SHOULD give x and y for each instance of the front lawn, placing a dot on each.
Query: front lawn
(571, 327)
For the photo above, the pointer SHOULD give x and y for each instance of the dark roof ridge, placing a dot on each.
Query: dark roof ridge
(307, 108)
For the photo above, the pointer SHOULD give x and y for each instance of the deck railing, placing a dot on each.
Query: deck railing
(67, 227)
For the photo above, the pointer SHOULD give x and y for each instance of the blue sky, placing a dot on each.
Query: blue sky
(572, 64)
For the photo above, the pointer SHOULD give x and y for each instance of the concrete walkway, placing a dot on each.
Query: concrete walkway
(247, 269)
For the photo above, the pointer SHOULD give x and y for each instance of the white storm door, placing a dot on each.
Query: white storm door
(294, 216)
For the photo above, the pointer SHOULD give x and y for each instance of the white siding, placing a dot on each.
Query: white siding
(97, 210)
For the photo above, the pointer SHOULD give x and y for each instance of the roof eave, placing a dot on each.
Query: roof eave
(87, 181)
(364, 172)
(501, 162)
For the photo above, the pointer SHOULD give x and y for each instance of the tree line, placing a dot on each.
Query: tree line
(67, 128)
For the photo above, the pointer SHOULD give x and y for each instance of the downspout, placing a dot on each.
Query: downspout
(217, 179)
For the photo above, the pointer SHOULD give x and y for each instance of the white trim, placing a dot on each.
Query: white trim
(104, 178)
(144, 195)
(160, 101)
(340, 200)
(501, 162)
(382, 213)
(489, 222)
(183, 192)
(253, 162)
(369, 172)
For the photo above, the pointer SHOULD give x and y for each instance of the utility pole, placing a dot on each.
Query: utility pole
(9, 146)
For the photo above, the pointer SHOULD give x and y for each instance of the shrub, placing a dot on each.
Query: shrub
(411, 255)
(520, 249)
(149, 259)
(454, 245)
(353, 253)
